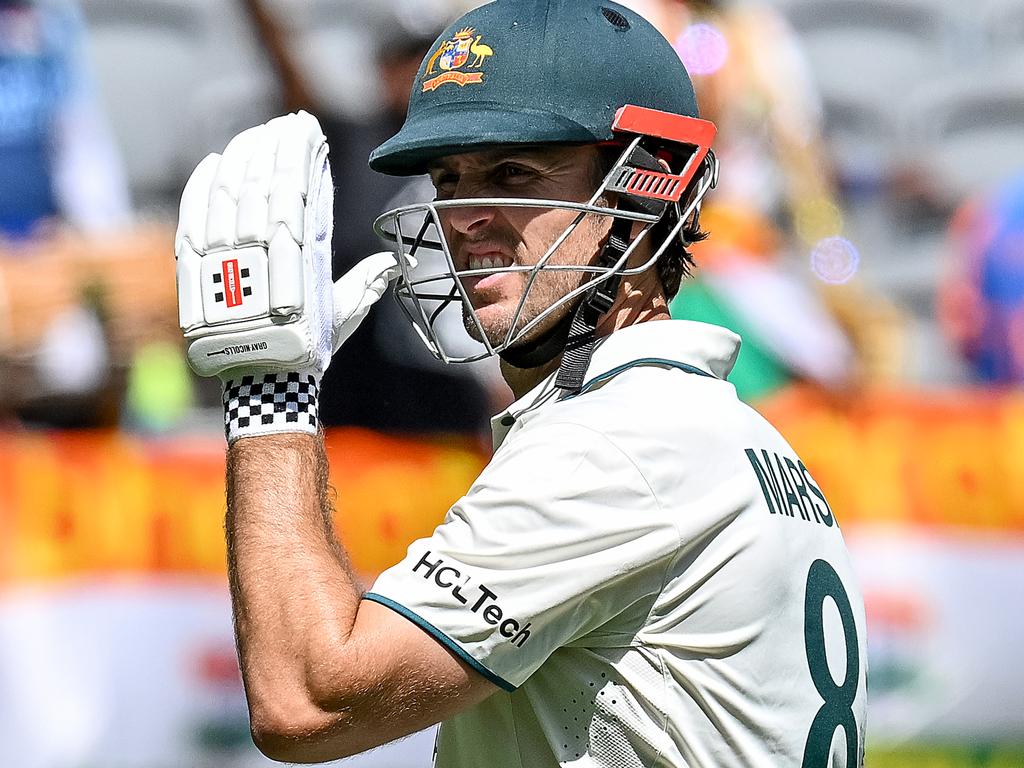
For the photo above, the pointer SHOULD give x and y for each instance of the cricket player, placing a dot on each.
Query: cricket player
(646, 573)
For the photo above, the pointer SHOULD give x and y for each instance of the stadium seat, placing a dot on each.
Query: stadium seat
(1004, 33)
(872, 50)
(336, 44)
(333, 42)
(340, 58)
(864, 141)
(967, 132)
(157, 62)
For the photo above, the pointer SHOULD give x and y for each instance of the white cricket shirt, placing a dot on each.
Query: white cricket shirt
(649, 573)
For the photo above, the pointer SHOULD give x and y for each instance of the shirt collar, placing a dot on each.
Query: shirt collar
(710, 349)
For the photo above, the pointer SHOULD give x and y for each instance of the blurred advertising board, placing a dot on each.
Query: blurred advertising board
(115, 635)
(929, 489)
(80, 504)
(116, 646)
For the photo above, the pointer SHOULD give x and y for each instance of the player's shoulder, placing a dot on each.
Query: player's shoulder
(658, 394)
(685, 433)
(668, 374)
(658, 398)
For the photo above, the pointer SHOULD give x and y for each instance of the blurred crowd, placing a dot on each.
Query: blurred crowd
(867, 231)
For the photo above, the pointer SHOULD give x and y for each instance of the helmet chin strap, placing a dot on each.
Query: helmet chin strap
(540, 351)
(573, 336)
(596, 302)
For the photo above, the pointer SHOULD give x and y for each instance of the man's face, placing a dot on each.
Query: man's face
(487, 237)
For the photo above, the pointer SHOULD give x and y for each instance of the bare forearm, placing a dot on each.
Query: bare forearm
(294, 595)
(325, 674)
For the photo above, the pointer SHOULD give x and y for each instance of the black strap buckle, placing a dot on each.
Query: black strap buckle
(602, 296)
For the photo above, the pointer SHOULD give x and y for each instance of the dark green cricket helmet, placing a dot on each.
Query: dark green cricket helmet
(534, 72)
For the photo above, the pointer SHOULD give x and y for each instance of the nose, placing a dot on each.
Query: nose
(469, 219)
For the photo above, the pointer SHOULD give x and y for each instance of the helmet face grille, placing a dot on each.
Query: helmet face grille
(431, 290)
(615, 18)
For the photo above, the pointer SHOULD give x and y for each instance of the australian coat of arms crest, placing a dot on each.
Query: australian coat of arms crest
(465, 49)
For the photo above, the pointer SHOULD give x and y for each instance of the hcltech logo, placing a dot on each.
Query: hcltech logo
(478, 598)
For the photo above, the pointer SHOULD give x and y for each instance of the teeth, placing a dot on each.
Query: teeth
(486, 262)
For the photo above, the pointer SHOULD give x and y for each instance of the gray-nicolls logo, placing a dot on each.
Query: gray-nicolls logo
(229, 281)
(240, 349)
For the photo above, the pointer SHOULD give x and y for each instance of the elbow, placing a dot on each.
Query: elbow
(283, 733)
(298, 732)
(308, 716)
(279, 745)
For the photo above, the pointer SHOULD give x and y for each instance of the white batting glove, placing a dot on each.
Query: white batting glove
(255, 298)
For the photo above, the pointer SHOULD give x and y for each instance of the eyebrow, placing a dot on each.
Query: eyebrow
(494, 155)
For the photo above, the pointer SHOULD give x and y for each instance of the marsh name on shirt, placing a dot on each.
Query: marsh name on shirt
(788, 488)
(478, 598)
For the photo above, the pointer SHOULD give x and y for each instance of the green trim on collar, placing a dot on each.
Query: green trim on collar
(636, 363)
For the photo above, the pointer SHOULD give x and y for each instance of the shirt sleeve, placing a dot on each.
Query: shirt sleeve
(559, 536)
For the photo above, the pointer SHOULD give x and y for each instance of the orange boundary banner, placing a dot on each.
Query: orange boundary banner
(74, 504)
(951, 460)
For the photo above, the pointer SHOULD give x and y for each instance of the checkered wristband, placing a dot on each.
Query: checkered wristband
(270, 403)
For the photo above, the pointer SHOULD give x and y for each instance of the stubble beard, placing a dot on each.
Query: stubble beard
(548, 289)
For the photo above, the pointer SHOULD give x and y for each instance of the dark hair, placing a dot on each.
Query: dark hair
(676, 262)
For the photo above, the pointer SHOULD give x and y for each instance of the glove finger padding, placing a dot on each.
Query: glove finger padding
(189, 243)
(255, 297)
(358, 290)
(319, 227)
(253, 250)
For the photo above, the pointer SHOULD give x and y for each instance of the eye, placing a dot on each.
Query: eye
(514, 172)
(445, 183)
